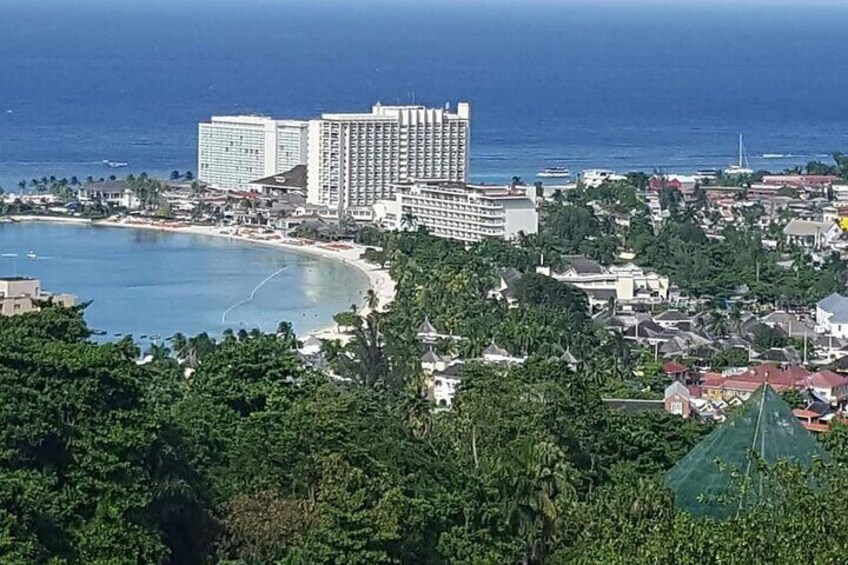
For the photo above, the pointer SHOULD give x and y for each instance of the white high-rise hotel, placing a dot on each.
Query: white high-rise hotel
(354, 159)
(234, 150)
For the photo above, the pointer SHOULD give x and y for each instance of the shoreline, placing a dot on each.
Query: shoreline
(379, 280)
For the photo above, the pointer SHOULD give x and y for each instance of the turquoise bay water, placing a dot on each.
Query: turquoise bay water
(145, 282)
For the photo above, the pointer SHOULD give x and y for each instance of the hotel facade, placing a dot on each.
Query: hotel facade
(456, 210)
(355, 160)
(234, 150)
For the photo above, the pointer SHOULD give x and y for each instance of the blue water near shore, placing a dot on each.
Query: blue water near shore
(625, 85)
(146, 282)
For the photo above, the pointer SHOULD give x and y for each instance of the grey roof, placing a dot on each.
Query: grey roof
(293, 179)
(633, 404)
(645, 329)
(585, 266)
(426, 327)
(676, 387)
(510, 275)
(786, 355)
(672, 316)
(495, 350)
(452, 370)
(837, 306)
(827, 342)
(735, 341)
(311, 341)
(430, 357)
(600, 293)
(790, 324)
(684, 342)
(569, 357)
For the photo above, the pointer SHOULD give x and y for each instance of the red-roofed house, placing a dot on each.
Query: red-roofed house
(810, 420)
(675, 370)
(800, 181)
(743, 385)
(829, 385)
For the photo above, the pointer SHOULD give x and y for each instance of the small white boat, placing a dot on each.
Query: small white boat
(114, 164)
(554, 173)
(31, 255)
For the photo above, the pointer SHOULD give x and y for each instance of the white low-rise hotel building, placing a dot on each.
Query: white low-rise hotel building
(234, 150)
(456, 210)
(356, 159)
(627, 284)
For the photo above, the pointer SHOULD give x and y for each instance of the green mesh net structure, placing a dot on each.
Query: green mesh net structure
(710, 479)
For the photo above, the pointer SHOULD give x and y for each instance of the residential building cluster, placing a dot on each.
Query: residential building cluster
(20, 295)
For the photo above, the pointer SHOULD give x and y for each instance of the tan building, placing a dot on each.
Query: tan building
(19, 295)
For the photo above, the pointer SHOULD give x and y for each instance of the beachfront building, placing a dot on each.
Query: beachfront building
(234, 150)
(19, 295)
(456, 210)
(594, 178)
(112, 192)
(355, 160)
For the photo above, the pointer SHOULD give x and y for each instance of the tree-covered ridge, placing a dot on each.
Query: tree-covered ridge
(257, 459)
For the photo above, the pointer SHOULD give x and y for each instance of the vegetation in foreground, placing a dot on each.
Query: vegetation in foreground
(255, 459)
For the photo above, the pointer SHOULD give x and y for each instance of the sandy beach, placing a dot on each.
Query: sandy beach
(379, 279)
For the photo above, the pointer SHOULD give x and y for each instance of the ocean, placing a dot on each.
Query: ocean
(623, 85)
(148, 283)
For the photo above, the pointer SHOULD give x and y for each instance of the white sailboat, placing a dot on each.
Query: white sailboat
(742, 167)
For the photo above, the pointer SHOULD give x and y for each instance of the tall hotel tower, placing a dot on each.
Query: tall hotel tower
(234, 150)
(354, 159)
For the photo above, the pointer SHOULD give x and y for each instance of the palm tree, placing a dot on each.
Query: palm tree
(717, 325)
(408, 220)
(372, 301)
(736, 318)
(363, 359)
(179, 344)
(285, 333)
(537, 478)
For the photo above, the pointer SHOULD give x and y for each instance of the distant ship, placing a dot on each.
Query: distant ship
(31, 255)
(554, 173)
(742, 167)
(114, 164)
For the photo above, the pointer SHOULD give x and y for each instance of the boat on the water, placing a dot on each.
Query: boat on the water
(114, 164)
(31, 255)
(554, 173)
(741, 168)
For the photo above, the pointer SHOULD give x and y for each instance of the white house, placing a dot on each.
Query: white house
(811, 235)
(832, 315)
(114, 193)
(628, 284)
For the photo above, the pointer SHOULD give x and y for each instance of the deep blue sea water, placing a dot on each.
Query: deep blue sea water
(145, 282)
(625, 85)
